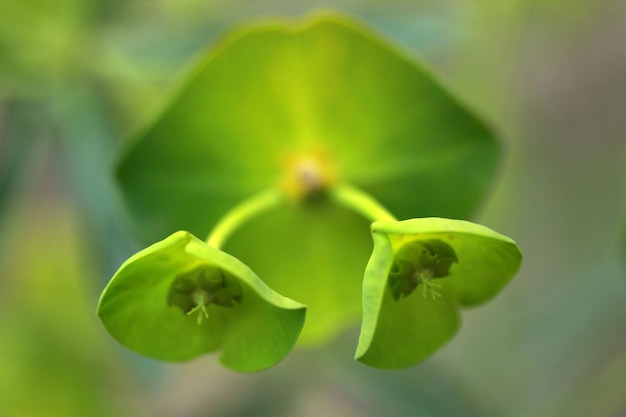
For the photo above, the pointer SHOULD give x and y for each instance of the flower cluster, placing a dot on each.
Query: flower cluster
(285, 144)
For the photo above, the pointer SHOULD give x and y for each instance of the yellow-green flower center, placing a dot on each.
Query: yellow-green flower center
(194, 291)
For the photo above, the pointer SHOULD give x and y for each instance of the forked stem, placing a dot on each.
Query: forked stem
(343, 194)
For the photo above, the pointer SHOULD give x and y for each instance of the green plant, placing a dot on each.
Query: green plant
(291, 138)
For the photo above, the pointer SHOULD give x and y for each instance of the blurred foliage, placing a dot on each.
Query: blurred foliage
(54, 359)
(75, 76)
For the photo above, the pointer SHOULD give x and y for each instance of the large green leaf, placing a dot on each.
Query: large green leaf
(400, 331)
(280, 89)
(317, 255)
(255, 333)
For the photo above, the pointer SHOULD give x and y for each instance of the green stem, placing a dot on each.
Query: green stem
(250, 208)
(360, 202)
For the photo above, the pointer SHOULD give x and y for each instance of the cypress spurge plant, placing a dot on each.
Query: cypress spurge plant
(287, 144)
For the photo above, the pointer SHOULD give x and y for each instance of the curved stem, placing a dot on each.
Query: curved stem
(248, 209)
(360, 202)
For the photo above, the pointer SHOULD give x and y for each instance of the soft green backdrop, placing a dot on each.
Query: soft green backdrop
(77, 76)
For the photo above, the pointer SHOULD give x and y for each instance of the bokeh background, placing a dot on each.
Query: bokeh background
(77, 75)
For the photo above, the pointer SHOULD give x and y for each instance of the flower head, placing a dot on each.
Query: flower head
(180, 298)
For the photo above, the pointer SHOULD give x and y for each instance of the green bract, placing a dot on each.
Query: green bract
(306, 105)
(180, 298)
(463, 263)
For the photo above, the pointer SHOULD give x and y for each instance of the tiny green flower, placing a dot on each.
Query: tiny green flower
(418, 263)
(181, 298)
(194, 292)
(470, 264)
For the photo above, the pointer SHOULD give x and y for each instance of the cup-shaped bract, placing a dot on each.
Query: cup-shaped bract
(326, 93)
(420, 272)
(180, 298)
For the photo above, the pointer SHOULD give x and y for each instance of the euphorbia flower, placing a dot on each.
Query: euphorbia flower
(180, 298)
(314, 103)
(420, 272)
(286, 141)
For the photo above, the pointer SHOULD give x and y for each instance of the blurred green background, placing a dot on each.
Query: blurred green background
(77, 75)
